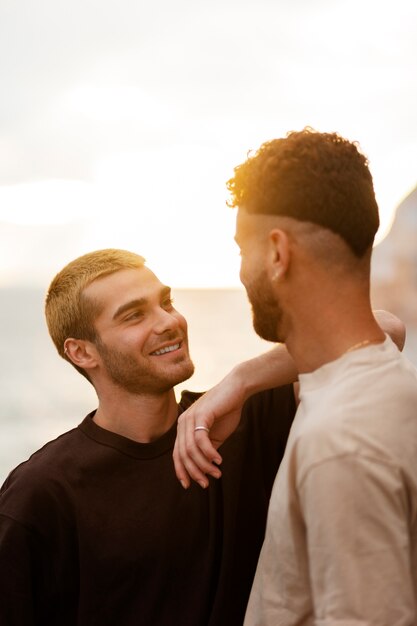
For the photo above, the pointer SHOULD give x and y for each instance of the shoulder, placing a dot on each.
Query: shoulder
(44, 457)
(188, 398)
(274, 408)
(266, 422)
(38, 485)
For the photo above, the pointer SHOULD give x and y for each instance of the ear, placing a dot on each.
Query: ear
(279, 254)
(81, 352)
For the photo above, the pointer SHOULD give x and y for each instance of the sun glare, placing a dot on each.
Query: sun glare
(46, 202)
(165, 200)
(167, 204)
(107, 103)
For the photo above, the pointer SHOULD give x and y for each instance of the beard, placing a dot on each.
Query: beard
(129, 374)
(266, 311)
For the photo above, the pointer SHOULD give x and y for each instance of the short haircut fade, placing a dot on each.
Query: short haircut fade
(313, 177)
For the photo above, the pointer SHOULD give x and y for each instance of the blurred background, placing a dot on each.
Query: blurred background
(120, 123)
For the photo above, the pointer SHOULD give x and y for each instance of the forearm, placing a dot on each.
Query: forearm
(392, 326)
(271, 369)
(218, 413)
(276, 367)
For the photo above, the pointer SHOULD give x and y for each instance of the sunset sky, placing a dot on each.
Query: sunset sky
(121, 121)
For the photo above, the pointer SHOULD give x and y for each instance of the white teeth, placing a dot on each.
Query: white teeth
(167, 349)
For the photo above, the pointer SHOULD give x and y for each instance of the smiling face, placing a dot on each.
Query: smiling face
(142, 340)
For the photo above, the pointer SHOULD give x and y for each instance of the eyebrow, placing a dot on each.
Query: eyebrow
(139, 303)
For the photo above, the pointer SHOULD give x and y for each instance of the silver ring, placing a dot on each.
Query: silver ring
(202, 428)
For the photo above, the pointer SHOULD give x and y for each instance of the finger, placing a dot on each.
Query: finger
(180, 470)
(191, 459)
(197, 443)
(203, 454)
(185, 468)
(197, 425)
(194, 461)
(207, 448)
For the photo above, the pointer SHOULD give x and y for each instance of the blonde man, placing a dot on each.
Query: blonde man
(94, 527)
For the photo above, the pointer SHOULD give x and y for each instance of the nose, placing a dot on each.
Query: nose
(242, 274)
(164, 321)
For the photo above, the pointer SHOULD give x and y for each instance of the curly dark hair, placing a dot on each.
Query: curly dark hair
(311, 176)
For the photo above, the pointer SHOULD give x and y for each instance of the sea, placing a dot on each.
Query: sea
(42, 396)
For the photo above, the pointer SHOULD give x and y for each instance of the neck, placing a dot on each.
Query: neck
(326, 329)
(142, 418)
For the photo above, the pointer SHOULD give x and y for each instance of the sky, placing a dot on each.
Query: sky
(120, 122)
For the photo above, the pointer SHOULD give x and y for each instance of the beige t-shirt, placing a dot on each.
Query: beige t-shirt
(341, 539)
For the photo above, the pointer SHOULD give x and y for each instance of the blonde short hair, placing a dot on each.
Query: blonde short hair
(69, 313)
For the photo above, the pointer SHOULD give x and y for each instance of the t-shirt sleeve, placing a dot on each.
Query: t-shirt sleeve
(356, 515)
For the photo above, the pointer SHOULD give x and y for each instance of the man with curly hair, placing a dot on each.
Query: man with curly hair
(341, 538)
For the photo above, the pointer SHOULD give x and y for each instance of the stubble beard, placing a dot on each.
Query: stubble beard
(125, 371)
(266, 311)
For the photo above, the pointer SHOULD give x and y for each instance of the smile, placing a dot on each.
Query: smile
(165, 350)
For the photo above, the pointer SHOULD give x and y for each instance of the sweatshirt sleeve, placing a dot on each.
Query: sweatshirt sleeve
(18, 554)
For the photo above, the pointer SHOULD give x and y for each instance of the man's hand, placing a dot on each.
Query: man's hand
(215, 415)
